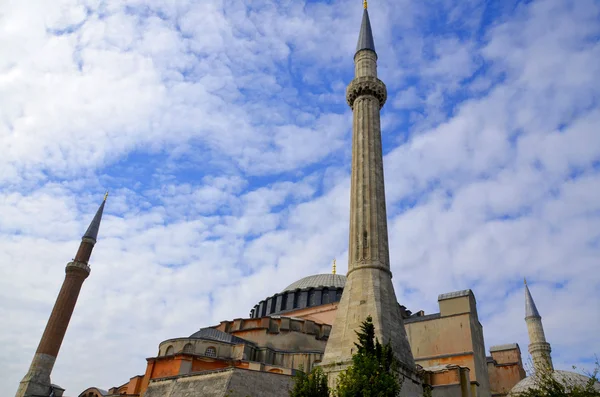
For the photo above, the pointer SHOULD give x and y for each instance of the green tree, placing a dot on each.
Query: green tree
(547, 385)
(313, 384)
(374, 369)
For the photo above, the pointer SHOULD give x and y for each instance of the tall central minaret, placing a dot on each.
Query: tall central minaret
(37, 380)
(369, 289)
(538, 347)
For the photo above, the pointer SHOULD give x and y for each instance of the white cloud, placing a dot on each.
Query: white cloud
(223, 133)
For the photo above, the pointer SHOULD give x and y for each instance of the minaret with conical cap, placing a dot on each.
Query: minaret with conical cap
(369, 290)
(538, 347)
(37, 380)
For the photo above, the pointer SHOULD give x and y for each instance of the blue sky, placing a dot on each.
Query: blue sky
(222, 132)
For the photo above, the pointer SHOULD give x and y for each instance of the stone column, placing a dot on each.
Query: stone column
(369, 289)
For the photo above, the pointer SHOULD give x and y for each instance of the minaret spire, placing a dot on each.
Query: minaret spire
(37, 380)
(538, 347)
(365, 38)
(369, 290)
(92, 230)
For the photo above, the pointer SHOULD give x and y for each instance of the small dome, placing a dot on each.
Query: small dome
(564, 377)
(318, 280)
(209, 333)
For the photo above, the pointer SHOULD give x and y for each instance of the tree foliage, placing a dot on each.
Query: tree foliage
(313, 384)
(374, 369)
(547, 385)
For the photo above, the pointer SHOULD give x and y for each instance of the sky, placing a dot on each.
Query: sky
(221, 130)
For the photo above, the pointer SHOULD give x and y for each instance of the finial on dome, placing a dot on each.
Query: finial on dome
(334, 267)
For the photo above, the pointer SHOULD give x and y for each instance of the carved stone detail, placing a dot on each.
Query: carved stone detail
(366, 85)
(78, 265)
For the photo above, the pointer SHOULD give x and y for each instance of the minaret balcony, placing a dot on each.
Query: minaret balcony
(78, 265)
(366, 85)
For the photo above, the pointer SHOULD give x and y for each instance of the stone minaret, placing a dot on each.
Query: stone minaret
(369, 289)
(538, 347)
(37, 380)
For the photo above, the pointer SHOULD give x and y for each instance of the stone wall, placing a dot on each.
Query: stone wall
(231, 383)
(505, 368)
(453, 336)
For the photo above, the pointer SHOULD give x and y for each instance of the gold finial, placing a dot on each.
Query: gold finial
(525, 280)
(333, 271)
(105, 195)
(365, 5)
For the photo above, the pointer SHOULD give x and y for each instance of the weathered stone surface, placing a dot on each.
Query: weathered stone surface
(369, 290)
(234, 382)
(36, 381)
(539, 349)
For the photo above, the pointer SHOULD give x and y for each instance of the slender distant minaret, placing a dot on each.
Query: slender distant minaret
(37, 380)
(538, 347)
(369, 290)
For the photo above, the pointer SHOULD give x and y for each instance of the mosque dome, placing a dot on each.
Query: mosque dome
(564, 377)
(311, 291)
(318, 281)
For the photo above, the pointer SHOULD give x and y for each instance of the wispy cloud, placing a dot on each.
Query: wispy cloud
(222, 131)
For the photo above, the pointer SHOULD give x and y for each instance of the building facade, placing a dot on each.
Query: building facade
(448, 347)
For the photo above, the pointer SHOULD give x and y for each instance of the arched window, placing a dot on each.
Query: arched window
(188, 348)
(169, 351)
(210, 352)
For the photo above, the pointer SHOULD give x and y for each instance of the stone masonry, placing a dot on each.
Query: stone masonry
(231, 382)
(369, 290)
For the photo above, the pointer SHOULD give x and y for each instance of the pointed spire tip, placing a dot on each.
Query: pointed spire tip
(530, 308)
(365, 4)
(365, 37)
(92, 230)
(105, 195)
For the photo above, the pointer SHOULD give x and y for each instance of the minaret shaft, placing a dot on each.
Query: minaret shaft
(369, 290)
(368, 244)
(60, 317)
(37, 380)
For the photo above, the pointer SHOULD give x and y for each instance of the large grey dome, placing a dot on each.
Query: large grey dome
(318, 281)
(311, 291)
(564, 377)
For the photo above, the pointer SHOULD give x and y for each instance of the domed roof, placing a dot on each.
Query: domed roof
(209, 333)
(318, 280)
(564, 377)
